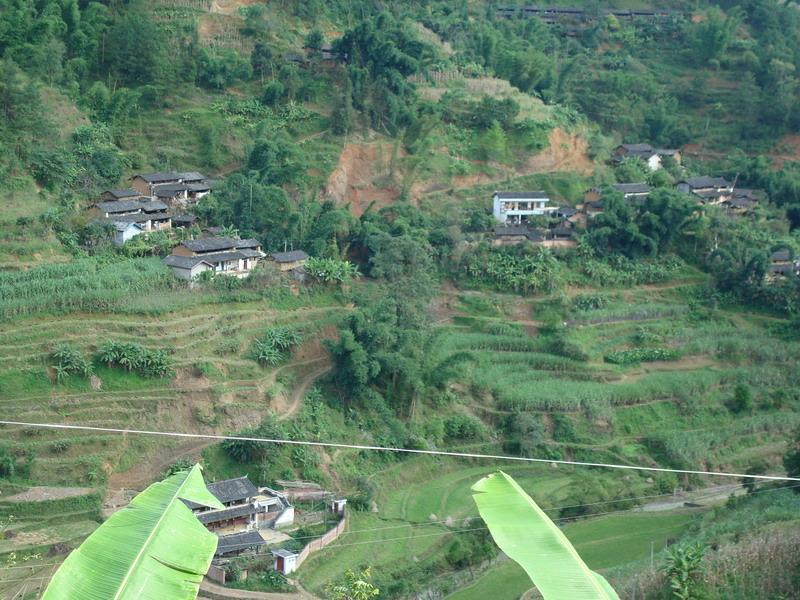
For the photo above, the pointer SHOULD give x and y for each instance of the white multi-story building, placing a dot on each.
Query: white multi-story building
(514, 208)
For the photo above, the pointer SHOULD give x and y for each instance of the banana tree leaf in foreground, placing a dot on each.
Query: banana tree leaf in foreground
(153, 549)
(527, 535)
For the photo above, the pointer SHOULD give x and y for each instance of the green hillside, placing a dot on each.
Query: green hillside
(662, 333)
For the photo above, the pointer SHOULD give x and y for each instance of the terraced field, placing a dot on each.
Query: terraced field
(552, 394)
(217, 388)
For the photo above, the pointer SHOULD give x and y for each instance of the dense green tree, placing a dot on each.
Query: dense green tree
(221, 68)
(382, 53)
(138, 54)
(791, 460)
(616, 229)
(262, 60)
(713, 34)
(632, 170)
(278, 160)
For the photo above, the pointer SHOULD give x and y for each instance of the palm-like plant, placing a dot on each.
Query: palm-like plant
(109, 353)
(155, 548)
(526, 535)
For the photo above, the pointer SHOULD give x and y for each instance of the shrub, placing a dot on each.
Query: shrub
(589, 302)
(133, 357)
(272, 348)
(330, 270)
(69, 361)
(463, 427)
(742, 400)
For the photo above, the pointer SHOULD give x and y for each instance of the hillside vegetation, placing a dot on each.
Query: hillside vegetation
(372, 136)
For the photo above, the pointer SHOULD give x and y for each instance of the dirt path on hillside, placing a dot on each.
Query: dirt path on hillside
(287, 406)
(213, 591)
(146, 471)
(311, 354)
(41, 493)
(686, 363)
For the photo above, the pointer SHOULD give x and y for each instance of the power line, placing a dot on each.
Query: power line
(551, 508)
(209, 436)
(455, 531)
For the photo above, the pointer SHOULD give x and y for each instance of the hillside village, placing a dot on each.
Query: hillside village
(294, 285)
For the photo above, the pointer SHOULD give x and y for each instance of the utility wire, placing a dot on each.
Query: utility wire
(209, 436)
(551, 508)
(413, 537)
(454, 531)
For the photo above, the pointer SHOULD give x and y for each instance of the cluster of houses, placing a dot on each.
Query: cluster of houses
(249, 520)
(652, 157)
(229, 256)
(153, 202)
(516, 214)
(574, 19)
(783, 264)
(246, 511)
(162, 201)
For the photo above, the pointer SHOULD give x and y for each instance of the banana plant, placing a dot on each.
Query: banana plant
(153, 549)
(528, 537)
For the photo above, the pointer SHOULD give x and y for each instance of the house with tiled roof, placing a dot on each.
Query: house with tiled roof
(516, 208)
(222, 255)
(651, 156)
(245, 507)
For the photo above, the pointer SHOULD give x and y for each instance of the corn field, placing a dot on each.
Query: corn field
(83, 285)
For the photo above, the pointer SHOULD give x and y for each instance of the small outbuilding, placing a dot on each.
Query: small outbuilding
(125, 230)
(289, 261)
(238, 543)
(285, 561)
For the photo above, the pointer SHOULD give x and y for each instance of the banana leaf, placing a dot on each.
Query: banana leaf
(527, 536)
(153, 549)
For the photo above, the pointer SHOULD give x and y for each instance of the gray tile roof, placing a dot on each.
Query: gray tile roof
(566, 211)
(249, 253)
(159, 177)
(538, 195)
(184, 262)
(153, 206)
(130, 206)
(119, 206)
(123, 225)
(704, 181)
(287, 257)
(283, 553)
(218, 257)
(781, 255)
(123, 193)
(743, 202)
(191, 176)
(513, 230)
(632, 188)
(233, 490)
(184, 219)
(638, 147)
(234, 512)
(238, 541)
(211, 244)
(170, 190)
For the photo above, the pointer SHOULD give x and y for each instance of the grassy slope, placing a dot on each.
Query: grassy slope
(602, 542)
(617, 429)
